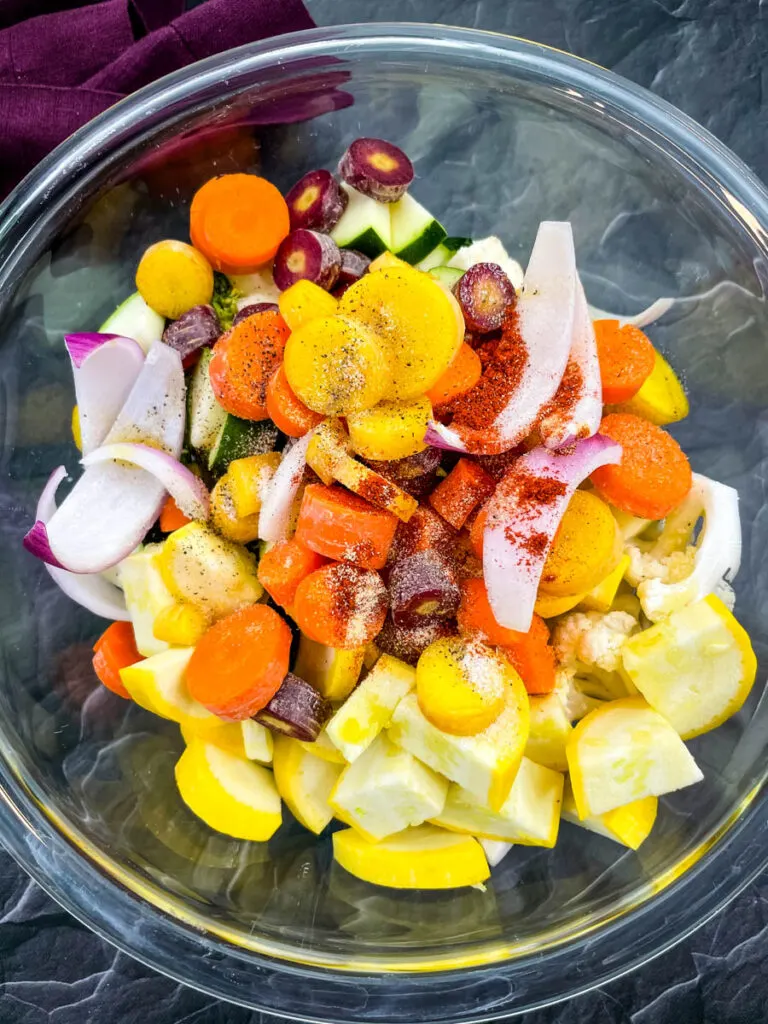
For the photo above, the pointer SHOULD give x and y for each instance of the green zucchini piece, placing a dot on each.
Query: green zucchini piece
(444, 252)
(447, 276)
(205, 417)
(415, 232)
(237, 439)
(135, 319)
(365, 225)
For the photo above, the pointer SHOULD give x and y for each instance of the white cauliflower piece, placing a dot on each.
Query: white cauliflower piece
(645, 564)
(576, 703)
(488, 250)
(593, 639)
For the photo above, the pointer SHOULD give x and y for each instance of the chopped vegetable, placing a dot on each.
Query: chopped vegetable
(661, 398)
(159, 684)
(416, 474)
(305, 782)
(172, 277)
(640, 485)
(114, 650)
(460, 377)
(461, 685)
(224, 302)
(180, 624)
(332, 671)
(240, 663)
(238, 221)
(418, 858)
(104, 377)
(225, 519)
(408, 643)
(171, 516)
(197, 328)
(626, 359)
(146, 595)
(255, 307)
(205, 416)
(422, 586)
(549, 733)
(230, 794)
(297, 710)
(353, 265)
(629, 825)
(284, 566)
(365, 225)
(390, 430)
(316, 202)
(696, 668)
(343, 526)
(341, 606)
(134, 319)
(281, 490)
(243, 361)
(415, 232)
(465, 488)
(584, 549)
(248, 481)
(285, 409)
(486, 296)
(305, 301)
(307, 256)
(377, 169)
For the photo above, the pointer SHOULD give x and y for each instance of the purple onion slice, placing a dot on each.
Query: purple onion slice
(377, 169)
(255, 307)
(297, 710)
(316, 201)
(485, 295)
(422, 586)
(307, 255)
(198, 328)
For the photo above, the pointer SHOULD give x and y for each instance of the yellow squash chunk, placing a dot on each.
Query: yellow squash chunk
(229, 793)
(601, 597)
(549, 607)
(462, 685)
(486, 763)
(585, 548)
(629, 825)
(330, 670)
(226, 735)
(661, 398)
(387, 259)
(549, 732)
(77, 435)
(146, 596)
(247, 479)
(391, 430)
(626, 751)
(217, 575)
(180, 624)
(387, 790)
(418, 858)
(305, 783)
(258, 743)
(530, 815)
(172, 277)
(370, 707)
(328, 455)
(696, 668)
(305, 301)
(224, 515)
(421, 323)
(324, 748)
(337, 366)
(159, 685)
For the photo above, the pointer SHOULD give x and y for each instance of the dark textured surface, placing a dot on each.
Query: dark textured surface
(706, 57)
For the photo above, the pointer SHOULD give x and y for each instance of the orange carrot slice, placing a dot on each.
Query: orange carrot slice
(284, 566)
(336, 523)
(115, 649)
(461, 376)
(654, 475)
(341, 606)
(286, 409)
(465, 487)
(626, 359)
(243, 361)
(171, 516)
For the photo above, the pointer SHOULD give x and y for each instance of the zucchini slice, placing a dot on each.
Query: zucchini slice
(205, 417)
(237, 439)
(415, 232)
(365, 225)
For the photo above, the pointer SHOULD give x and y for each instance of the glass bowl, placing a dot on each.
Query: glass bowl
(503, 133)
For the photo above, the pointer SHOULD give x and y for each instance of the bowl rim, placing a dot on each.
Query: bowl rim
(80, 874)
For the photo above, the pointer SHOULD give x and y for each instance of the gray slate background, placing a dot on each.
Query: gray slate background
(709, 58)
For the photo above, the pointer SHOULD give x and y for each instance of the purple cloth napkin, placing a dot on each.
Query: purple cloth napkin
(72, 60)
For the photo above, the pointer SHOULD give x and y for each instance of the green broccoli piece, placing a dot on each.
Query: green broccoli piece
(224, 300)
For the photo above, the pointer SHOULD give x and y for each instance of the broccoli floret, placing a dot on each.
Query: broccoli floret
(224, 300)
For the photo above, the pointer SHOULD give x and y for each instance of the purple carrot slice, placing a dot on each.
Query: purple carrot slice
(309, 256)
(377, 169)
(416, 474)
(316, 201)
(408, 644)
(485, 295)
(353, 265)
(254, 307)
(198, 328)
(422, 586)
(297, 710)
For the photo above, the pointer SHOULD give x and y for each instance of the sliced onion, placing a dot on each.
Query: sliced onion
(82, 344)
(718, 550)
(440, 436)
(92, 592)
(109, 510)
(281, 490)
(545, 309)
(577, 408)
(188, 491)
(646, 316)
(104, 376)
(521, 526)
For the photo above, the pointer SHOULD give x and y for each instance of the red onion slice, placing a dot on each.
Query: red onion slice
(523, 516)
(281, 490)
(577, 408)
(92, 592)
(188, 491)
(109, 510)
(104, 375)
(545, 309)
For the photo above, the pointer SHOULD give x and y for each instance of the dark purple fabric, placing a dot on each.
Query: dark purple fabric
(60, 67)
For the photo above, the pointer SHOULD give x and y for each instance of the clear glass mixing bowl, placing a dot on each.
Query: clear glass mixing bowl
(503, 133)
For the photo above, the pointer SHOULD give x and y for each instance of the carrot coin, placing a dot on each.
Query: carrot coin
(115, 649)
(286, 409)
(626, 359)
(243, 361)
(341, 606)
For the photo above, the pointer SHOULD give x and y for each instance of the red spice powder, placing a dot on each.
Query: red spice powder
(567, 395)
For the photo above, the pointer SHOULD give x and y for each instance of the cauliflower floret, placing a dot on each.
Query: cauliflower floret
(592, 639)
(647, 565)
(576, 703)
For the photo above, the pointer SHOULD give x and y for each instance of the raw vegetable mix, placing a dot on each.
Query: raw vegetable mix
(424, 558)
